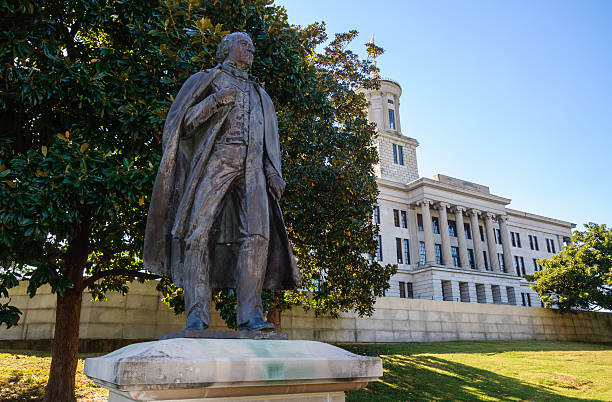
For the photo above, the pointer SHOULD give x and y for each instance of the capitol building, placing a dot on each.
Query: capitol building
(450, 238)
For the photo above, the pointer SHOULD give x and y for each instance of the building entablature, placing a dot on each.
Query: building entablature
(424, 188)
(537, 221)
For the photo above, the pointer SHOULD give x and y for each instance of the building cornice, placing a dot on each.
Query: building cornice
(397, 136)
(540, 218)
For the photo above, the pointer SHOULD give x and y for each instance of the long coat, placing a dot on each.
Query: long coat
(175, 183)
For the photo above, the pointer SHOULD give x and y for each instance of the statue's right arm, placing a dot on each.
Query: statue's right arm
(198, 114)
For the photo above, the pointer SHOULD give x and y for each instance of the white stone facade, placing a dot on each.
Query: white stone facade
(445, 261)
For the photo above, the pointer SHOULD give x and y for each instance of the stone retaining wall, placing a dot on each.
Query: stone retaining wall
(142, 315)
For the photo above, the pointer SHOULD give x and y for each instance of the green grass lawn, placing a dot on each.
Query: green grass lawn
(504, 370)
(24, 374)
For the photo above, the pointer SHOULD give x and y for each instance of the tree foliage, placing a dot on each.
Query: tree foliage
(85, 86)
(580, 276)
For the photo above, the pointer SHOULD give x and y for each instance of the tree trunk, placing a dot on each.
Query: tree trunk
(64, 350)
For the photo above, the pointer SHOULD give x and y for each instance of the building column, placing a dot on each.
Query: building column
(414, 237)
(503, 290)
(463, 255)
(456, 291)
(488, 293)
(430, 249)
(478, 257)
(447, 257)
(472, 291)
(488, 218)
(505, 238)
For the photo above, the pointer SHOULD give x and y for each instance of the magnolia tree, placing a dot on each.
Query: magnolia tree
(86, 85)
(580, 276)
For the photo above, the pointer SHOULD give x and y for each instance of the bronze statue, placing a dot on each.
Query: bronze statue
(214, 219)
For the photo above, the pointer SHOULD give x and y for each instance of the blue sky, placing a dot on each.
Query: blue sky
(515, 95)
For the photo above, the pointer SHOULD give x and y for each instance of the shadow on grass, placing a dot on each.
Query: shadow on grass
(431, 378)
(473, 347)
(20, 387)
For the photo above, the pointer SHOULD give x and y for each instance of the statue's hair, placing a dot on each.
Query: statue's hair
(226, 45)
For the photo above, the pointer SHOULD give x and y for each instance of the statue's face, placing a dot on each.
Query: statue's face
(242, 51)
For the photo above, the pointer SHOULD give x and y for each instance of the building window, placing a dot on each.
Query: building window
(486, 261)
(516, 239)
(409, 290)
(519, 263)
(566, 241)
(455, 254)
(516, 265)
(377, 215)
(500, 258)
(400, 255)
(420, 222)
(438, 254)
(536, 266)
(531, 246)
(392, 119)
(481, 296)
(406, 252)
(404, 219)
(464, 292)
(422, 253)
(547, 245)
(435, 223)
(523, 299)
(511, 295)
(447, 291)
(390, 101)
(552, 246)
(481, 233)
(396, 220)
(402, 290)
(535, 242)
(496, 293)
(379, 254)
(468, 232)
(471, 258)
(497, 234)
(398, 154)
(452, 228)
(528, 299)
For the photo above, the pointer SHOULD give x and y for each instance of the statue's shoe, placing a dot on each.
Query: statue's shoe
(257, 326)
(195, 324)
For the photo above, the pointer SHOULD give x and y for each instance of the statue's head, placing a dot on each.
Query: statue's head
(237, 48)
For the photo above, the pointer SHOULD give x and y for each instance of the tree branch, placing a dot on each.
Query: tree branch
(118, 272)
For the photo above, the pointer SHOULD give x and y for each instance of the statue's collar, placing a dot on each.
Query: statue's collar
(232, 69)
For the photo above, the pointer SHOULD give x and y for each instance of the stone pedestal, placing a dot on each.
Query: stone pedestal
(192, 369)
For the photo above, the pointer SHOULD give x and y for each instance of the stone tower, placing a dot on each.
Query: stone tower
(397, 152)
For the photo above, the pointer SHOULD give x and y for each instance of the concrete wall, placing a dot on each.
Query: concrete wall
(142, 315)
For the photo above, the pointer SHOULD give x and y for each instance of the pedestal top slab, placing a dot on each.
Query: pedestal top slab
(208, 364)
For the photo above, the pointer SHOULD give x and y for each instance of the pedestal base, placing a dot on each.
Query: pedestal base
(194, 369)
(316, 397)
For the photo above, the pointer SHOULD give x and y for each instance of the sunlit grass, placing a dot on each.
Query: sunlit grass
(504, 370)
(24, 374)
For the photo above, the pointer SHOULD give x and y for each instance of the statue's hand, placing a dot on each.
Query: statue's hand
(226, 96)
(277, 186)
